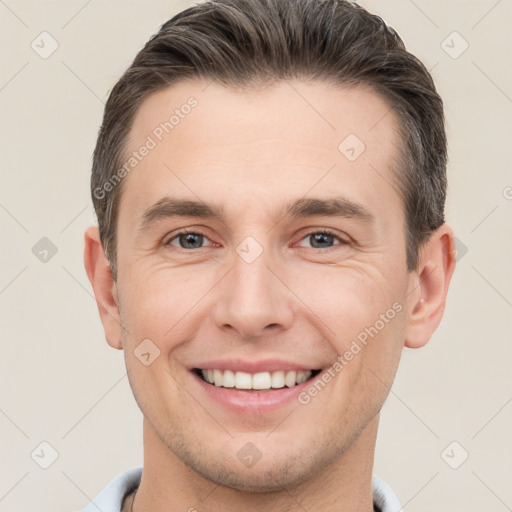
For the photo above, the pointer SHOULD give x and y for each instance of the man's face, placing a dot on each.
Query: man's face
(263, 289)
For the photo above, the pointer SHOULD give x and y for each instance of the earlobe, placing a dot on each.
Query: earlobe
(429, 287)
(105, 289)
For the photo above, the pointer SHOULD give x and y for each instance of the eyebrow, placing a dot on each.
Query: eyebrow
(331, 207)
(168, 207)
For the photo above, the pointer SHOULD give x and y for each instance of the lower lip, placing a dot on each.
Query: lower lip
(251, 402)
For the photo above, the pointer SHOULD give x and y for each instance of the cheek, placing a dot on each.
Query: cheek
(348, 300)
(362, 315)
(160, 303)
(152, 386)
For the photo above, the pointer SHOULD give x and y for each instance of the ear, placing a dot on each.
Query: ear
(105, 290)
(429, 286)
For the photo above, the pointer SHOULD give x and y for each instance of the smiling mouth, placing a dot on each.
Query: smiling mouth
(255, 381)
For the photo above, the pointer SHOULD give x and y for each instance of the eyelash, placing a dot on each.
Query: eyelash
(324, 231)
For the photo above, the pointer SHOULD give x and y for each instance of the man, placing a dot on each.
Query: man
(269, 182)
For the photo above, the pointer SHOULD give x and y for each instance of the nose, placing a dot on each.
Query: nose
(253, 300)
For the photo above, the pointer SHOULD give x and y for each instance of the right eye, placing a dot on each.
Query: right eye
(188, 240)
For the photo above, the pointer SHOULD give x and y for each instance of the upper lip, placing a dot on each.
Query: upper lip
(252, 366)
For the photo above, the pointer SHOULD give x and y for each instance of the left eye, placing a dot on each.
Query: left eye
(322, 239)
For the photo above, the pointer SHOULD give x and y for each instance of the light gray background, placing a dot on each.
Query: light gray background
(61, 383)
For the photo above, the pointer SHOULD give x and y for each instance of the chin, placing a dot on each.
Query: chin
(263, 479)
(274, 471)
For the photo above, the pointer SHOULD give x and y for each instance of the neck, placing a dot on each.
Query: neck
(169, 485)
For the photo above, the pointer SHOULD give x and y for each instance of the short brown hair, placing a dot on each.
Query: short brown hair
(243, 43)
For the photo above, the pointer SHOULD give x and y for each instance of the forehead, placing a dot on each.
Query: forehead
(202, 135)
(327, 113)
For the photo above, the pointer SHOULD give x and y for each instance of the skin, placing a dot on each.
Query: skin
(252, 152)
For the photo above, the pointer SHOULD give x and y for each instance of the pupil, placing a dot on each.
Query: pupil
(321, 238)
(191, 240)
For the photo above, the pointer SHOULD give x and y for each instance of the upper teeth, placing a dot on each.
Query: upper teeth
(263, 380)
